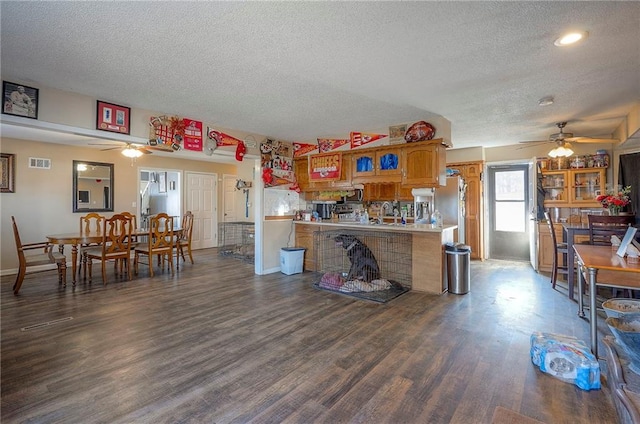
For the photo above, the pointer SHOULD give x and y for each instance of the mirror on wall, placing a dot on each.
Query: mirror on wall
(92, 186)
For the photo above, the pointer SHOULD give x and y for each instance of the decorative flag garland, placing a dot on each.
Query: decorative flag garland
(360, 139)
(301, 149)
(328, 144)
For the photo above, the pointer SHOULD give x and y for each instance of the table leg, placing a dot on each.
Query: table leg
(74, 262)
(593, 317)
(580, 293)
(570, 260)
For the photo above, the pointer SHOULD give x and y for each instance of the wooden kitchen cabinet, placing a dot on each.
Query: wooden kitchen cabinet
(301, 170)
(573, 187)
(304, 238)
(377, 165)
(545, 246)
(424, 165)
(474, 222)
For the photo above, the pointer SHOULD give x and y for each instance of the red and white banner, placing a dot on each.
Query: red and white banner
(360, 139)
(221, 138)
(328, 144)
(325, 166)
(301, 149)
(192, 135)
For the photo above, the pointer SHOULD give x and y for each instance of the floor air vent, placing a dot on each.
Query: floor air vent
(45, 324)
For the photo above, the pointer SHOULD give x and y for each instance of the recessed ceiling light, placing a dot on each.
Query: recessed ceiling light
(545, 101)
(571, 38)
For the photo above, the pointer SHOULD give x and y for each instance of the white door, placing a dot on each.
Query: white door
(229, 198)
(201, 200)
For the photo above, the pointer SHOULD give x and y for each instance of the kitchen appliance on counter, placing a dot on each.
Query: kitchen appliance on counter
(448, 200)
(324, 208)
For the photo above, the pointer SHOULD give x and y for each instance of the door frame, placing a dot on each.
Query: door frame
(488, 206)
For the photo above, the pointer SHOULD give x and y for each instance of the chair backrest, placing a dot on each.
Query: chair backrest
(91, 223)
(186, 227)
(133, 219)
(547, 216)
(160, 233)
(16, 236)
(116, 236)
(602, 227)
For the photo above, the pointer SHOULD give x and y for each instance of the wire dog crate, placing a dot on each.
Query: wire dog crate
(391, 251)
(237, 239)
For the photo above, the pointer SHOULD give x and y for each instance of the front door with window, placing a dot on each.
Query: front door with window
(509, 212)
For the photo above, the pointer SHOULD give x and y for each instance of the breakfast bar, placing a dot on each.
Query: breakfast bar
(427, 248)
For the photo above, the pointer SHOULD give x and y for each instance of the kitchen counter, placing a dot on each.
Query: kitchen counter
(408, 228)
(427, 248)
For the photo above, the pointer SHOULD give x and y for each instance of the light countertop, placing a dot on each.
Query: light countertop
(408, 228)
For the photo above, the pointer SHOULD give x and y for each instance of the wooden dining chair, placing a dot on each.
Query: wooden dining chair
(602, 227)
(47, 256)
(91, 223)
(116, 246)
(160, 242)
(558, 248)
(184, 240)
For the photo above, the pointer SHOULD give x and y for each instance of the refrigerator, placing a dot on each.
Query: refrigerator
(449, 200)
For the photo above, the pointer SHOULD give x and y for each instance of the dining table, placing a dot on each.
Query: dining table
(569, 233)
(80, 238)
(606, 269)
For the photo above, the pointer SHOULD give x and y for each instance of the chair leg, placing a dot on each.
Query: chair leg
(62, 273)
(19, 279)
(189, 252)
(104, 272)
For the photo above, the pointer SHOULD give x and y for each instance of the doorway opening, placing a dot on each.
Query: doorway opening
(509, 223)
(159, 192)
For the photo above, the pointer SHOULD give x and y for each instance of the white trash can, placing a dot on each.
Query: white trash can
(291, 260)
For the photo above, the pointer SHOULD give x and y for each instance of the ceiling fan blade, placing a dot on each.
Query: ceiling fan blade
(532, 143)
(110, 148)
(145, 150)
(591, 140)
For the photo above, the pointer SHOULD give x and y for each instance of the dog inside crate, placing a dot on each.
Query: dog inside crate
(364, 261)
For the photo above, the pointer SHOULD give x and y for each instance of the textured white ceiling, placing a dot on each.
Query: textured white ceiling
(301, 70)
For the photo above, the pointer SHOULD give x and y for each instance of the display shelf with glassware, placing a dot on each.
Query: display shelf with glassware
(573, 187)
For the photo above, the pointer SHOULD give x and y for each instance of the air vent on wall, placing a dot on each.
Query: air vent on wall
(40, 163)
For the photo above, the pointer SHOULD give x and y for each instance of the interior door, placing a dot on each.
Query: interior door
(201, 200)
(509, 221)
(229, 198)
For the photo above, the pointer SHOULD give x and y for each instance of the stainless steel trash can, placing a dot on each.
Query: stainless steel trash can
(458, 256)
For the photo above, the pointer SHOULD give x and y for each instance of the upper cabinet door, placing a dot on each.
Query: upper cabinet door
(424, 165)
(364, 165)
(388, 162)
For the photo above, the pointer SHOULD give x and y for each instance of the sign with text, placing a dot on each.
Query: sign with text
(325, 166)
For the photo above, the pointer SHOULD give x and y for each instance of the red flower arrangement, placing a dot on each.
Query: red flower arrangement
(615, 200)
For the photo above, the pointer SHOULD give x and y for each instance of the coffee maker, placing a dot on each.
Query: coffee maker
(423, 202)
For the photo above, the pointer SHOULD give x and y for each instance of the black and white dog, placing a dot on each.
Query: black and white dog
(363, 264)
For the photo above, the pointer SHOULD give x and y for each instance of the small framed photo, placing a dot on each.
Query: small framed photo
(162, 182)
(113, 118)
(20, 100)
(396, 134)
(8, 171)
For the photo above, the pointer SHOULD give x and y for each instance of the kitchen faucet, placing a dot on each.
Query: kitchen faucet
(385, 205)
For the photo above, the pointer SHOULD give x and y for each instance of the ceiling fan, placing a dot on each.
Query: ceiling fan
(563, 141)
(130, 150)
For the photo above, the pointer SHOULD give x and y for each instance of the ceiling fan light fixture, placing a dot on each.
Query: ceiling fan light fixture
(571, 38)
(130, 152)
(562, 151)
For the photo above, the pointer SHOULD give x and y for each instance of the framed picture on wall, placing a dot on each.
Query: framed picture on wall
(8, 171)
(19, 100)
(113, 118)
(162, 182)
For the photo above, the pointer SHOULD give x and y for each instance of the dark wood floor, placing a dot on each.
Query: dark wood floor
(218, 344)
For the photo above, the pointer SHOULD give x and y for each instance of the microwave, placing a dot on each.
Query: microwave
(353, 196)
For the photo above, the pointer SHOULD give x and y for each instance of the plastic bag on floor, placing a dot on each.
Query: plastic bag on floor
(566, 358)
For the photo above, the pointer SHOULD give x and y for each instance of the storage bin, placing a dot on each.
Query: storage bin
(291, 260)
